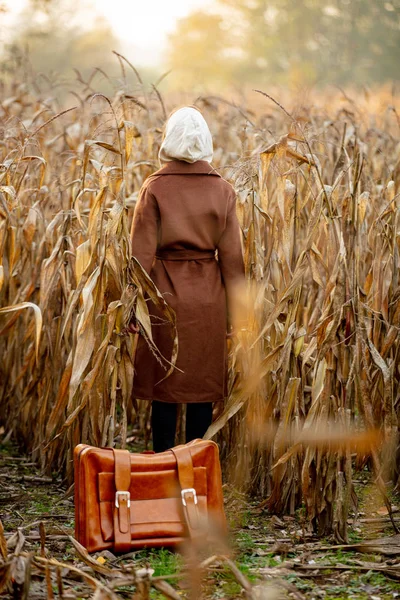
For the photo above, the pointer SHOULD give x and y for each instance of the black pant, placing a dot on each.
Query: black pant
(163, 423)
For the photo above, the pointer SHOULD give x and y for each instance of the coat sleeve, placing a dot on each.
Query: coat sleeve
(145, 227)
(230, 255)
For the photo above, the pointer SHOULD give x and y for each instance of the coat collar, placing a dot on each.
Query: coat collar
(180, 167)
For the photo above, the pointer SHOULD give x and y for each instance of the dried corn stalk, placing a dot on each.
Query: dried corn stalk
(317, 348)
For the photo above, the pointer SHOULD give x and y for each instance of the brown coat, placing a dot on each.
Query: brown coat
(185, 212)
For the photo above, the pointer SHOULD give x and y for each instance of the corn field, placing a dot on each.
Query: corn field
(314, 366)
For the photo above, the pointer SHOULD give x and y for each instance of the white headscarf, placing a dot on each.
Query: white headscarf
(187, 137)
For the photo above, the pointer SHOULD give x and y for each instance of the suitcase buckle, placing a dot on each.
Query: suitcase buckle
(188, 491)
(127, 496)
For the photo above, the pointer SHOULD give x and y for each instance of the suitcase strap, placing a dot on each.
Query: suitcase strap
(122, 504)
(188, 493)
(121, 509)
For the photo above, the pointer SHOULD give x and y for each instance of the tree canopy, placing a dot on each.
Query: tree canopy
(314, 41)
(58, 36)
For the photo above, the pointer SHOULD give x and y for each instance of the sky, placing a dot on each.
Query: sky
(142, 25)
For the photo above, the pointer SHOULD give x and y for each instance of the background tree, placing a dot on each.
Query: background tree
(201, 50)
(56, 37)
(341, 41)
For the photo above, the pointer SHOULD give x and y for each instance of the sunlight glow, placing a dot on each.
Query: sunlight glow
(144, 26)
(141, 26)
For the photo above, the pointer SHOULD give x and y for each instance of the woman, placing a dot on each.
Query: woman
(185, 213)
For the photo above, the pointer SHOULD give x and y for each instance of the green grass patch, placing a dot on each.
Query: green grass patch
(163, 561)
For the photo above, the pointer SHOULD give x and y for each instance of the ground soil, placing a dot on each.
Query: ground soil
(275, 557)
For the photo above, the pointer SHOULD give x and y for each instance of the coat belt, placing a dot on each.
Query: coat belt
(185, 254)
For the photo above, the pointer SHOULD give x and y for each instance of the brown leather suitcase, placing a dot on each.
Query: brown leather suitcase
(127, 500)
